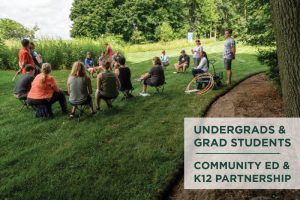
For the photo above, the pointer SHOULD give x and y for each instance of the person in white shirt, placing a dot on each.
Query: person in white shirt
(164, 59)
(196, 53)
(203, 65)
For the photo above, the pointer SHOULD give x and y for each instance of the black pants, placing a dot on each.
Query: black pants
(197, 71)
(57, 96)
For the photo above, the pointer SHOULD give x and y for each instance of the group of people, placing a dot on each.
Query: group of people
(40, 88)
(200, 59)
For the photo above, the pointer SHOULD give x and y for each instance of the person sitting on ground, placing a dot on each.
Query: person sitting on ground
(44, 91)
(183, 62)
(155, 77)
(203, 65)
(164, 59)
(124, 75)
(37, 58)
(196, 53)
(25, 56)
(79, 88)
(101, 59)
(24, 83)
(108, 86)
(89, 63)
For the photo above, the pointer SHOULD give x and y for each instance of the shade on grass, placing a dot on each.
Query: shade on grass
(129, 152)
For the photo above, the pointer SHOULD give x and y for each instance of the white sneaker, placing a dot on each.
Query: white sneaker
(144, 94)
(175, 72)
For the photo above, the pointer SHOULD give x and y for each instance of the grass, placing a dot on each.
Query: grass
(129, 152)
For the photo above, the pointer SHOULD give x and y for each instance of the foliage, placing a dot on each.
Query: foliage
(92, 18)
(60, 53)
(12, 30)
(137, 37)
(165, 32)
(111, 155)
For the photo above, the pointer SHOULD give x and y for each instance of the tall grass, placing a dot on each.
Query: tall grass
(60, 53)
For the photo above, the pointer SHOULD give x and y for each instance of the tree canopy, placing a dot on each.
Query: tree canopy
(148, 19)
(12, 30)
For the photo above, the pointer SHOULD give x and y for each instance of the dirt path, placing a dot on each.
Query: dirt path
(254, 97)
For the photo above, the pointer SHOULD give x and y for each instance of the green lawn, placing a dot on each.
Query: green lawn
(129, 152)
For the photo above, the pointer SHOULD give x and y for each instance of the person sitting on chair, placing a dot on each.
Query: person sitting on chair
(44, 91)
(164, 59)
(203, 65)
(183, 62)
(89, 63)
(24, 83)
(108, 86)
(79, 88)
(124, 75)
(155, 77)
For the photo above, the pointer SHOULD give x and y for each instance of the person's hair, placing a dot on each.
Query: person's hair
(106, 65)
(163, 51)
(102, 52)
(25, 42)
(106, 43)
(32, 44)
(117, 65)
(183, 51)
(88, 53)
(29, 68)
(78, 69)
(46, 69)
(229, 30)
(122, 60)
(197, 40)
(205, 55)
(156, 60)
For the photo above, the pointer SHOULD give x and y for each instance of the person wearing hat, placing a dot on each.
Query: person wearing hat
(164, 59)
(183, 62)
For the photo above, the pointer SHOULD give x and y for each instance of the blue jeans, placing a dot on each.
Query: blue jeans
(197, 71)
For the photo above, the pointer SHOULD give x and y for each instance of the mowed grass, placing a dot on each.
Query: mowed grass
(129, 152)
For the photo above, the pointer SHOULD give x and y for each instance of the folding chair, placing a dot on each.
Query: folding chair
(81, 108)
(160, 89)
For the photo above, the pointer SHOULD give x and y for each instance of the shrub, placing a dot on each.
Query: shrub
(164, 32)
(269, 57)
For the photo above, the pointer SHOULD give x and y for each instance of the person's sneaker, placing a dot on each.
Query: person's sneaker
(144, 94)
(175, 72)
(138, 80)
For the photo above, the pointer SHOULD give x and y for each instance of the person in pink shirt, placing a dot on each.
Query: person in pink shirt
(109, 51)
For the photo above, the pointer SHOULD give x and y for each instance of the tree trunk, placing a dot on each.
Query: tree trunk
(286, 20)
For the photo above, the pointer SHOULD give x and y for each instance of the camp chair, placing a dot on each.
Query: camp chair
(81, 108)
(160, 88)
(23, 100)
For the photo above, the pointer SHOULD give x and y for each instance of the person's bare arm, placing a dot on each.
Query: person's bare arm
(89, 85)
(68, 86)
(118, 83)
(117, 72)
(99, 78)
(145, 76)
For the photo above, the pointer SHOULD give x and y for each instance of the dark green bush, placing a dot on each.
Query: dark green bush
(269, 57)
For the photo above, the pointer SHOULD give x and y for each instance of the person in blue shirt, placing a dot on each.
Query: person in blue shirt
(89, 63)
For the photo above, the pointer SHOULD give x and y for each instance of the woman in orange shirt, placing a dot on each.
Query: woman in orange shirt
(44, 91)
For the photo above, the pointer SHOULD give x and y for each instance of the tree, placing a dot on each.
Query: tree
(286, 18)
(10, 29)
(165, 32)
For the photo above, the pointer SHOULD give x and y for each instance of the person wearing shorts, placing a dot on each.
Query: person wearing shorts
(229, 54)
(183, 62)
(196, 53)
(108, 86)
(155, 77)
(79, 88)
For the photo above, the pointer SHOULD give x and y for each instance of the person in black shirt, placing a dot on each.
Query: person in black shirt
(124, 75)
(24, 83)
(155, 77)
(183, 62)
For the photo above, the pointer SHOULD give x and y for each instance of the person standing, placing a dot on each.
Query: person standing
(229, 54)
(196, 53)
(25, 56)
(109, 51)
